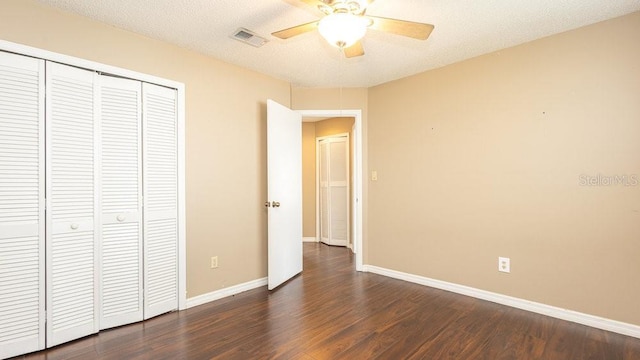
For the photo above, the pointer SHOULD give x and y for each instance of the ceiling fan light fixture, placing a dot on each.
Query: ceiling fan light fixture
(343, 29)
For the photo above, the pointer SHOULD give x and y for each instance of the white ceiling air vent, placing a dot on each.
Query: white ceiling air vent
(249, 37)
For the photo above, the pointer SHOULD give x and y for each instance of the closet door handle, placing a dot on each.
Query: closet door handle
(74, 226)
(120, 218)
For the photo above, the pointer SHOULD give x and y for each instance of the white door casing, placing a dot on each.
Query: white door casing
(71, 250)
(121, 201)
(358, 187)
(22, 219)
(284, 177)
(353, 185)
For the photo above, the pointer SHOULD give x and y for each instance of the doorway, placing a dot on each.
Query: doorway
(356, 168)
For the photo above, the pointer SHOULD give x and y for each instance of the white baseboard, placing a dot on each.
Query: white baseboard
(309, 239)
(222, 293)
(555, 312)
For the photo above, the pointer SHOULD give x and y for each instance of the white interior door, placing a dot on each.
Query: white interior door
(284, 176)
(160, 162)
(121, 201)
(21, 205)
(72, 273)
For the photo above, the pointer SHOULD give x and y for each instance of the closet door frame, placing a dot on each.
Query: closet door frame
(180, 89)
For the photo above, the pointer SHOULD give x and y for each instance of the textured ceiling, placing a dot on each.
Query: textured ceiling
(463, 29)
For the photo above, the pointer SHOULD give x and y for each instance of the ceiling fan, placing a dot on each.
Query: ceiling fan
(345, 24)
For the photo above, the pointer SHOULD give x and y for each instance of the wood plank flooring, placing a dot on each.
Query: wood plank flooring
(333, 312)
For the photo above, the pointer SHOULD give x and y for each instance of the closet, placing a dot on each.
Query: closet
(88, 202)
(333, 183)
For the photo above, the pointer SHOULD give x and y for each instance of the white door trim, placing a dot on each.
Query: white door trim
(358, 180)
(180, 87)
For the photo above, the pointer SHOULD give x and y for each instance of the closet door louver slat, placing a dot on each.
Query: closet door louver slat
(160, 200)
(21, 205)
(121, 191)
(72, 288)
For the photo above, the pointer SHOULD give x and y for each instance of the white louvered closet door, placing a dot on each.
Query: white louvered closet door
(334, 190)
(339, 190)
(21, 205)
(71, 204)
(160, 163)
(121, 201)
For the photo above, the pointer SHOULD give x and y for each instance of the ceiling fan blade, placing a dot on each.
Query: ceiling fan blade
(354, 50)
(296, 30)
(411, 29)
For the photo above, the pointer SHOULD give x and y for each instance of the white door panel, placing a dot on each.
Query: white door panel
(121, 201)
(284, 160)
(22, 221)
(160, 149)
(72, 271)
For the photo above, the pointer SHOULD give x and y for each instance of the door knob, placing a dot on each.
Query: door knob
(267, 204)
(276, 204)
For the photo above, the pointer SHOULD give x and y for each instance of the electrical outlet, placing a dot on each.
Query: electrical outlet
(214, 262)
(374, 175)
(504, 264)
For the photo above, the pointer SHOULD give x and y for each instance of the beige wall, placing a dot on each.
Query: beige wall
(310, 131)
(483, 158)
(330, 99)
(309, 179)
(225, 134)
(334, 126)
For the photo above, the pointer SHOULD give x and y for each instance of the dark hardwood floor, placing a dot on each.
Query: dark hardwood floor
(333, 312)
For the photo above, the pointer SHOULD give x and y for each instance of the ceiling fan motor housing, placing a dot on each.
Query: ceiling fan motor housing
(355, 7)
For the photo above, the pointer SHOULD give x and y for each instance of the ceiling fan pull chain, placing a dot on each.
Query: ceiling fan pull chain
(342, 57)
